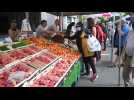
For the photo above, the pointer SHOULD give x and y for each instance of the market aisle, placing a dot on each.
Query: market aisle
(108, 77)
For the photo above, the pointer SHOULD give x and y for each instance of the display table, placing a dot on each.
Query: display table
(67, 79)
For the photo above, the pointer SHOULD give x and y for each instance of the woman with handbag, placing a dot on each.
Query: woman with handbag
(92, 27)
(83, 47)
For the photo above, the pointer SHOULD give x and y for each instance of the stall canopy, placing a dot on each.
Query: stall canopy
(73, 13)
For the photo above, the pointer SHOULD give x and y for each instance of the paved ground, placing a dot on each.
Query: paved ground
(108, 77)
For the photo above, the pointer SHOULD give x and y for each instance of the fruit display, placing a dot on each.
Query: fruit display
(17, 54)
(36, 49)
(38, 42)
(55, 48)
(15, 75)
(28, 51)
(38, 59)
(5, 59)
(35, 63)
(67, 53)
(4, 82)
(9, 57)
(52, 77)
(41, 60)
(44, 82)
(22, 67)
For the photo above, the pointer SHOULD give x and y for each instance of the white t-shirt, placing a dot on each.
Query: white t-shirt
(41, 30)
(54, 28)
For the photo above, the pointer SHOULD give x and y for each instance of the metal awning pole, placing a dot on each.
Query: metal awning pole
(27, 15)
(119, 66)
(112, 38)
(61, 21)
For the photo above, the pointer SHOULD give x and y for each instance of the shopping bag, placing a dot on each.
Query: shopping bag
(94, 44)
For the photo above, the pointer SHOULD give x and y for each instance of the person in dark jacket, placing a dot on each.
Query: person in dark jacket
(83, 47)
(69, 30)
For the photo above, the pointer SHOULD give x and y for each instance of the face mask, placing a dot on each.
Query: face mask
(78, 28)
(73, 29)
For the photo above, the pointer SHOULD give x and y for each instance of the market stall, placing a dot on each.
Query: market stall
(38, 62)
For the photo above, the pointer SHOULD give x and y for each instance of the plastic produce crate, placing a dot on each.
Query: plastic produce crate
(78, 70)
(71, 77)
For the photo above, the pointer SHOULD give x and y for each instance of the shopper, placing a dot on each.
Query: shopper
(120, 39)
(13, 31)
(128, 59)
(70, 29)
(102, 25)
(91, 28)
(42, 29)
(83, 47)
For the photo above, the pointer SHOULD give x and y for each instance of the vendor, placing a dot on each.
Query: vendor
(55, 33)
(54, 28)
(42, 29)
(13, 31)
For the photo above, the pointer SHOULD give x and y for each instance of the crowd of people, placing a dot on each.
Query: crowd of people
(123, 41)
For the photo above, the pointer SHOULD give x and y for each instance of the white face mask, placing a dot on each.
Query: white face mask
(73, 29)
(78, 28)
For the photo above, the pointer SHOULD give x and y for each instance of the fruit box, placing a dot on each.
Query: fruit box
(43, 73)
(66, 74)
(36, 63)
(71, 77)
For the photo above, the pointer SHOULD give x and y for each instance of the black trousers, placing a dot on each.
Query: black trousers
(89, 62)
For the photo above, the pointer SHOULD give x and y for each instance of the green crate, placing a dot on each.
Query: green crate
(71, 78)
(61, 84)
(78, 69)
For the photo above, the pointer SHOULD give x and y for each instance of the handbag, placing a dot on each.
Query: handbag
(93, 43)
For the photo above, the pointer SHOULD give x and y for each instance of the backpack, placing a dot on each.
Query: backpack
(100, 34)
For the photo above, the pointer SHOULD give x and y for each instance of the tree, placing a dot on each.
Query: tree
(129, 13)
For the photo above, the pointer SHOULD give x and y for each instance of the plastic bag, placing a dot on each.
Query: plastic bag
(8, 40)
(18, 76)
(94, 44)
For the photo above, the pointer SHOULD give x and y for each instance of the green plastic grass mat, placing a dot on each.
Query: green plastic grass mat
(22, 43)
(3, 48)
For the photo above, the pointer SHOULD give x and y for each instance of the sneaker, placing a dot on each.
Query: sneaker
(94, 77)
